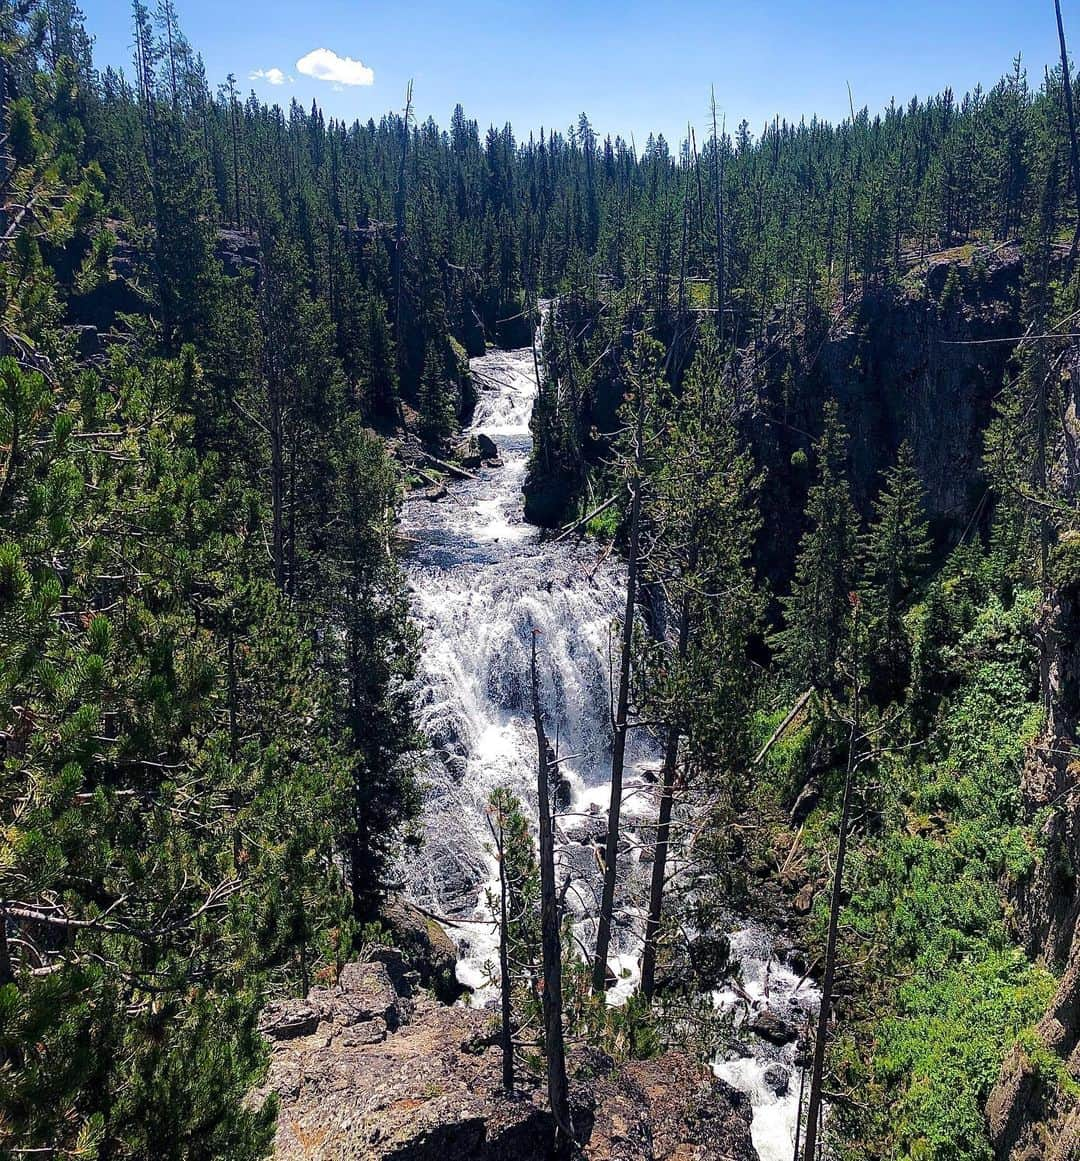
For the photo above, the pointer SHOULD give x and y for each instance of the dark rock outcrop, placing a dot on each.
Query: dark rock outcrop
(777, 1078)
(425, 945)
(239, 253)
(921, 361)
(699, 964)
(487, 447)
(374, 1069)
(772, 1027)
(468, 453)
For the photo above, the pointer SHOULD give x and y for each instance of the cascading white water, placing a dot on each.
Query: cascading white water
(482, 582)
(768, 1073)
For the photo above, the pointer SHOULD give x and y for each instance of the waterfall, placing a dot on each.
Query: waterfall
(482, 581)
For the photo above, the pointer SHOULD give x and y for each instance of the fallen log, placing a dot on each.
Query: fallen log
(572, 528)
(778, 733)
(453, 469)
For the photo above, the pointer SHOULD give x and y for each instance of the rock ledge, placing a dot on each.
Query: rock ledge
(377, 1069)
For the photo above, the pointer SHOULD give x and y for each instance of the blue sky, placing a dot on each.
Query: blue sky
(634, 67)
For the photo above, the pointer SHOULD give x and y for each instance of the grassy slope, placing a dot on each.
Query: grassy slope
(937, 992)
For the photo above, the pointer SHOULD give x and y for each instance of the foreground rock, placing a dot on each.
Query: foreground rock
(376, 1069)
(425, 944)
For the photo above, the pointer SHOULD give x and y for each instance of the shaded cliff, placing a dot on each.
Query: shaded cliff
(920, 361)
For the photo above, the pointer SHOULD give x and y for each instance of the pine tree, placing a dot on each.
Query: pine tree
(895, 554)
(171, 783)
(371, 663)
(703, 522)
(816, 610)
(438, 417)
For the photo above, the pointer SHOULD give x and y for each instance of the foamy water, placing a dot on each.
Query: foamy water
(481, 582)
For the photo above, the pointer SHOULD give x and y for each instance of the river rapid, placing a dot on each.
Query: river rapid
(482, 581)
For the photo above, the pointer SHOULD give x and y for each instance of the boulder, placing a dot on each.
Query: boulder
(424, 944)
(487, 447)
(777, 1078)
(591, 830)
(808, 798)
(710, 957)
(696, 965)
(769, 1026)
(285, 1019)
(468, 453)
(804, 899)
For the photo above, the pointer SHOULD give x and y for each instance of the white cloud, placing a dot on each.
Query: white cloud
(271, 76)
(325, 65)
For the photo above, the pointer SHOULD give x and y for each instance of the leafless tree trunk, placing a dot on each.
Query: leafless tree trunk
(550, 949)
(1042, 373)
(813, 1114)
(235, 148)
(277, 478)
(718, 180)
(507, 1029)
(663, 828)
(685, 231)
(7, 976)
(622, 709)
(399, 222)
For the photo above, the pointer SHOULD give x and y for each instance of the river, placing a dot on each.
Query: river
(482, 580)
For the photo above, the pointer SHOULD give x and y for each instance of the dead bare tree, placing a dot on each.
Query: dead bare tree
(663, 824)
(622, 708)
(550, 945)
(400, 201)
(718, 183)
(497, 829)
(855, 742)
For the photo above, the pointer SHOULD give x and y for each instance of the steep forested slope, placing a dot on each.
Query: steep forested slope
(826, 378)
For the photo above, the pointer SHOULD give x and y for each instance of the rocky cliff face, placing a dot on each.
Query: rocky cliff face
(1032, 1115)
(920, 362)
(375, 1068)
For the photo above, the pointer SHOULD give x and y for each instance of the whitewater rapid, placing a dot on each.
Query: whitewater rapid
(482, 581)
